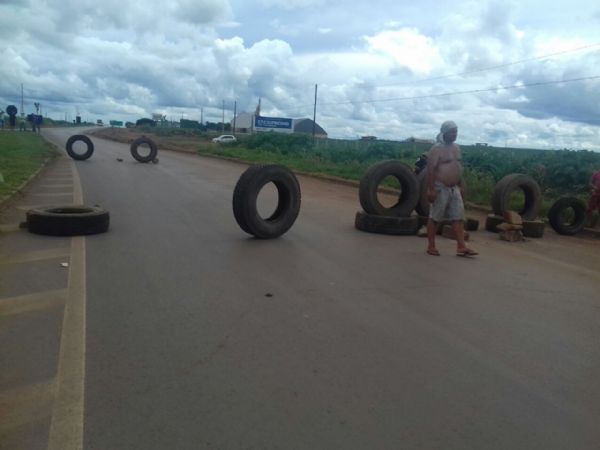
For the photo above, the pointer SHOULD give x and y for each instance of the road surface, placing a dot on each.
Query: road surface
(198, 336)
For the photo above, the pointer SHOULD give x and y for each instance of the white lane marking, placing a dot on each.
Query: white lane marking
(66, 427)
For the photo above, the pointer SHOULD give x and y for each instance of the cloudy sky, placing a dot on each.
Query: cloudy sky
(387, 68)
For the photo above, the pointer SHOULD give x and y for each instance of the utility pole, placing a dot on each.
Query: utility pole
(202, 116)
(223, 120)
(22, 107)
(234, 115)
(315, 115)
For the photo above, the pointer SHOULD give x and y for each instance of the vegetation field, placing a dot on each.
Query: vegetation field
(559, 172)
(21, 154)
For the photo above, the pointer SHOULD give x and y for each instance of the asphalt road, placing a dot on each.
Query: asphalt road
(199, 336)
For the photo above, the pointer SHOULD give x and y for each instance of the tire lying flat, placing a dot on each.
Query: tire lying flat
(510, 183)
(374, 223)
(556, 211)
(143, 158)
(69, 220)
(245, 196)
(370, 182)
(79, 156)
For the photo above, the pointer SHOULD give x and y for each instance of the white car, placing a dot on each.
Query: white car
(225, 139)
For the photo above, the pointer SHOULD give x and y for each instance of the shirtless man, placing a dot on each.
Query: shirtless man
(445, 189)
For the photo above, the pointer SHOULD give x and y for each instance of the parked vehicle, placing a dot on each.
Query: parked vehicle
(225, 139)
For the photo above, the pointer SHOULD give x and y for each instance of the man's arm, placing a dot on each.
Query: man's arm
(433, 159)
(462, 184)
(432, 163)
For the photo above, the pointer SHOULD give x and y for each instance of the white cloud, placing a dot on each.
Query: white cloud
(116, 59)
(406, 47)
(292, 4)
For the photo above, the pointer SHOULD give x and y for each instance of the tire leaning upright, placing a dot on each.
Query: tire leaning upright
(245, 197)
(79, 156)
(370, 182)
(136, 154)
(558, 208)
(512, 182)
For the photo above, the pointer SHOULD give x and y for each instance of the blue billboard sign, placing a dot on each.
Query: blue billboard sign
(272, 123)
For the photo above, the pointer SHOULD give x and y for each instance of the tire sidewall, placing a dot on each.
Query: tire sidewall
(75, 155)
(374, 223)
(91, 220)
(370, 182)
(246, 196)
(136, 155)
(558, 207)
(512, 183)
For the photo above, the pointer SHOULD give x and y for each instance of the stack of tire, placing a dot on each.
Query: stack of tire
(396, 219)
(532, 226)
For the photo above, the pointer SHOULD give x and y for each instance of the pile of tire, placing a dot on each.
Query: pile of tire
(556, 216)
(532, 226)
(245, 197)
(396, 219)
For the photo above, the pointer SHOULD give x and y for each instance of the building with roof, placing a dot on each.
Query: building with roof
(245, 123)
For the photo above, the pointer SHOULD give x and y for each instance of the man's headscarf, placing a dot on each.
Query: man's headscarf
(446, 126)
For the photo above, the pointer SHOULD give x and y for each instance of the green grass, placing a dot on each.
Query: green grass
(558, 172)
(480, 186)
(21, 154)
(307, 163)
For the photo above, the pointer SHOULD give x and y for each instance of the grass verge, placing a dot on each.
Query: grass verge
(21, 155)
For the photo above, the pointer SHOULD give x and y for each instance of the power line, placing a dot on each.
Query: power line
(474, 91)
(499, 66)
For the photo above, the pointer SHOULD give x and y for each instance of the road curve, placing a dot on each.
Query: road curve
(199, 336)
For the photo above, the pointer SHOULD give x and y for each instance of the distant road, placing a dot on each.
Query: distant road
(199, 336)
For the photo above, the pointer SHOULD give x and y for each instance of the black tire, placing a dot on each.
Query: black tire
(375, 175)
(68, 220)
(492, 221)
(79, 156)
(136, 155)
(554, 216)
(246, 193)
(533, 228)
(374, 223)
(507, 185)
(422, 207)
